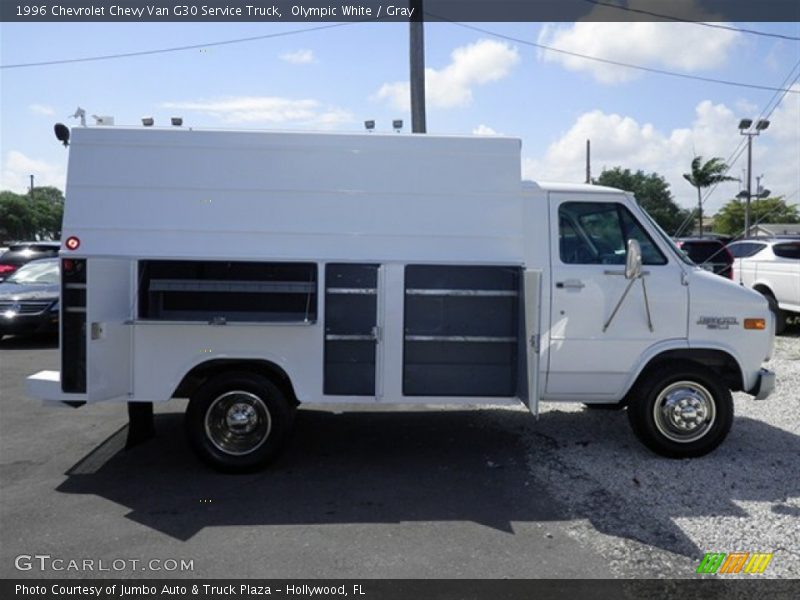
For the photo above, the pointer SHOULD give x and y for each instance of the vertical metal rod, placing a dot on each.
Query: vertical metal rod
(616, 308)
(417, 64)
(646, 304)
(749, 183)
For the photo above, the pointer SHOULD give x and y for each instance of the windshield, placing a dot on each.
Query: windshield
(42, 273)
(665, 238)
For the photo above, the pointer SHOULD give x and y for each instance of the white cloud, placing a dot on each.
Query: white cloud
(18, 168)
(685, 47)
(267, 110)
(42, 109)
(299, 57)
(618, 140)
(483, 130)
(473, 65)
(782, 172)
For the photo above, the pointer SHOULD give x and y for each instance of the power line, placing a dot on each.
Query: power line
(620, 64)
(176, 48)
(737, 152)
(701, 23)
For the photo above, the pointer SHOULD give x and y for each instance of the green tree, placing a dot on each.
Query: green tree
(703, 175)
(652, 193)
(730, 218)
(48, 205)
(31, 216)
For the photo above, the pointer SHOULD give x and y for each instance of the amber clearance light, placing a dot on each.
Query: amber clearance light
(755, 323)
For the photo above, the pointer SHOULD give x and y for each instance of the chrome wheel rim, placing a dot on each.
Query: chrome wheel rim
(238, 423)
(684, 411)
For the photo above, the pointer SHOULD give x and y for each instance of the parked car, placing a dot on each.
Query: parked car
(772, 267)
(29, 299)
(20, 253)
(709, 253)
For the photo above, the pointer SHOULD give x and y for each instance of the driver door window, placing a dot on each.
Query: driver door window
(597, 232)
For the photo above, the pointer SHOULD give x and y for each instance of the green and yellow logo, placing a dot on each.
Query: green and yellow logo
(736, 562)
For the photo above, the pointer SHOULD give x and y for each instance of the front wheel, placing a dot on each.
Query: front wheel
(238, 422)
(681, 411)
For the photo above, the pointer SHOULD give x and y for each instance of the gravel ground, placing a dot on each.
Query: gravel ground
(659, 516)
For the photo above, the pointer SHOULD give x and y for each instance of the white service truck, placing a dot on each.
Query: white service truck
(254, 271)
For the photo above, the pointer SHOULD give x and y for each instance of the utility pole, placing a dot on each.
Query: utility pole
(31, 187)
(417, 64)
(588, 161)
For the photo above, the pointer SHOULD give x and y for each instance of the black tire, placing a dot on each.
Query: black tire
(605, 406)
(780, 316)
(701, 412)
(237, 422)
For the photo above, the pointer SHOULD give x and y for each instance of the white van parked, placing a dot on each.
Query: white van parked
(254, 271)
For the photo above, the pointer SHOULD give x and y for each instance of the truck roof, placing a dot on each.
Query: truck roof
(575, 188)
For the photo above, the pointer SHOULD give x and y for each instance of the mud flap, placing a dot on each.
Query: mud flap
(141, 423)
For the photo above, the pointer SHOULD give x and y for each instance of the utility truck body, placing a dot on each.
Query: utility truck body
(254, 271)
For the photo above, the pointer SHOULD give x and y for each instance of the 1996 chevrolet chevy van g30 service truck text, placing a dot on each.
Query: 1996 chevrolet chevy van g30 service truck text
(253, 271)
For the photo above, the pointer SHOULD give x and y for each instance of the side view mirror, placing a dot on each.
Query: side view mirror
(633, 260)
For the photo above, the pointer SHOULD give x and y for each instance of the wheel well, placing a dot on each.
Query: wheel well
(722, 363)
(205, 371)
(763, 289)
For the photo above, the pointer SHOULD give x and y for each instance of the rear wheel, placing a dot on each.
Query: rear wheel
(238, 421)
(681, 411)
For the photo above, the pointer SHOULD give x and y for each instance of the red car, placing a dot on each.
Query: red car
(709, 253)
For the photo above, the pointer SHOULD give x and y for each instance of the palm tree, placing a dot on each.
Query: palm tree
(706, 174)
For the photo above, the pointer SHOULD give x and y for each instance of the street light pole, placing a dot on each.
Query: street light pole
(745, 129)
(749, 185)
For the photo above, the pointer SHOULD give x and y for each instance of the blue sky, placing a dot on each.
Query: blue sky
(334, 79)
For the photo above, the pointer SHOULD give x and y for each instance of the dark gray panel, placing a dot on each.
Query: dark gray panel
(459, 380)
(351, 303)
(448, 315)
(349, 313)
(461, 330)
(461, 277)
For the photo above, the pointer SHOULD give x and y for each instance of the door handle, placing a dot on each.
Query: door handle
(572, 284)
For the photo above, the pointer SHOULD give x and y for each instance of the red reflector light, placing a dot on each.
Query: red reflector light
(72, 243)
(68, 265)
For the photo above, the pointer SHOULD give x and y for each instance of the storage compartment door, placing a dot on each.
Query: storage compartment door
(461, 331)
(531, 322)
(352, 337)
(108, 330)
